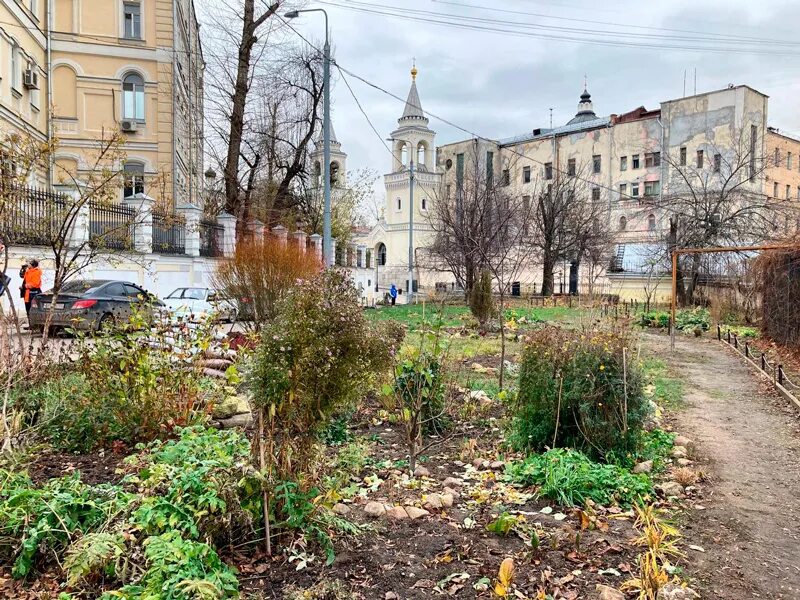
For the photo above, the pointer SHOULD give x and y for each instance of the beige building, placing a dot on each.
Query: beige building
(23, 70)
(132, 65)
(629, 161)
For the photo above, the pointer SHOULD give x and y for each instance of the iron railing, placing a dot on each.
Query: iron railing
(112, 226)
(30, 216)
(211, 237)
(169, 233)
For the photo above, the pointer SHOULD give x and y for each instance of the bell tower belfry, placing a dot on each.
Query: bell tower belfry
(338, 162)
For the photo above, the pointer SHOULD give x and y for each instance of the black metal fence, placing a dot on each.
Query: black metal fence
(30, 216)
(211, 238)
(112, 226)
(169, 233)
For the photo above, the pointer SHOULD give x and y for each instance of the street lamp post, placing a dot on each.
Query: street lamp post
(326, 136)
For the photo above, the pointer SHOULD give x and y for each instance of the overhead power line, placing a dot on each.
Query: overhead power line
(533, 30)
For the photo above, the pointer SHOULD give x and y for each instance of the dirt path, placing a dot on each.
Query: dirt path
(748, 443)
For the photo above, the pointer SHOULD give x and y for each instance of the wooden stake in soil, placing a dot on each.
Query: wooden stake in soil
(263, 465)
(558, 410)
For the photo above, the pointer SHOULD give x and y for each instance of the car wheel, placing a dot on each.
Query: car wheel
(106, 323)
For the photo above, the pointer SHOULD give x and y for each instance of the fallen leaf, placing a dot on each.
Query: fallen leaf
(697, 548)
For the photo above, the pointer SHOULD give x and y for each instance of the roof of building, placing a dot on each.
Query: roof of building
(585, 110)
(413, 108)
(545, 133)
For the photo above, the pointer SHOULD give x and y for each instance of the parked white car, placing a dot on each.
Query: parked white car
(196, 304)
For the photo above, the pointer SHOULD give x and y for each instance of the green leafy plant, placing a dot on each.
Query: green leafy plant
(578, 390)
(695, 318)
(503, 524)
(571, 478)
(94, 554)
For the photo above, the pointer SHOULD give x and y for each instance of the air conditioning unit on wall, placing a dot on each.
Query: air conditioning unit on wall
(30, 79)
(129, 125)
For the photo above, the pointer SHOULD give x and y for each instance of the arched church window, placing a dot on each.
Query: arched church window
(399, 204)
(404, 155)
(381, 255)
(424, 204)
(334, 172)
(623, 223)
(651, 222)
(421, 153)
(317, 172)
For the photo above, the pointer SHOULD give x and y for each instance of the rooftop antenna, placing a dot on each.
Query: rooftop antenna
(585, 82)
(551, 117)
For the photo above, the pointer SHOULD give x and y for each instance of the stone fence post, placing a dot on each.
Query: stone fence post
(143, 221)
(228, 223)
(300, 239)
(192, 214)
(316, 242)
(280, 233)
(79, 233)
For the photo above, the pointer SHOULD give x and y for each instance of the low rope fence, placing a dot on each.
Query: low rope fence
(770, 370)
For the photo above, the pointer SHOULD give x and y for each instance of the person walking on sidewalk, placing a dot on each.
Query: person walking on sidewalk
(31, 283)
(393, 294)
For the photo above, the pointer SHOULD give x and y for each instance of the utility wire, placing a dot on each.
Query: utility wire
(513, 29)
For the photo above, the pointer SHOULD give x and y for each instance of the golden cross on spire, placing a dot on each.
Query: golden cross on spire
(413, 69)
(585, 82)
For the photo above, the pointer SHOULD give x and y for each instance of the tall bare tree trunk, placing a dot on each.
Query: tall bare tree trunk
(548, 265)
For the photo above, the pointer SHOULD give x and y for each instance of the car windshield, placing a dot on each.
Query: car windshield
(194, 293)
(176, 294)
(82, 286)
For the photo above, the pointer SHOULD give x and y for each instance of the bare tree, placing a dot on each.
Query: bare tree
(464, 222)
(718, 199)
(565, 222)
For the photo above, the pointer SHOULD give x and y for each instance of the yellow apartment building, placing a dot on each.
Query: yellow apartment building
(132, 65)
(23, 71)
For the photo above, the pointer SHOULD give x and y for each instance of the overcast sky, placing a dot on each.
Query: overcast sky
(499, 84)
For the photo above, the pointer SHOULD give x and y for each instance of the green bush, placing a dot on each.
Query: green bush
(418, 379)
(691, 319)
(572, 393)
(315, 360)
(570, 478)
(133, 385)
(658, 319)
(480, 300)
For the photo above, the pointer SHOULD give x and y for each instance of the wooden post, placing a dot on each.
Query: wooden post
(780, 374)
(719, 333)
(674, 298)
(763, 362)
(747, 350)
(735, 341)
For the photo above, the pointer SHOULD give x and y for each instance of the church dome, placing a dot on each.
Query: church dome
(585, 109)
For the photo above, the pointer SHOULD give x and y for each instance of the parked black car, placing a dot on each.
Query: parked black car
(91, 304)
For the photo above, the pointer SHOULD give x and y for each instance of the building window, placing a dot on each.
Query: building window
(652, 159)
(133, 97)
(775, 190)
(526, 174)
(595, 194)
(134, 179)
(788, 160)
(489, 168)
(623, 223)
(623, 191)
(34, 6)
(447, 191)
(16, 67)
(506, 177)
(596, 163)
(635, 161)
(651, 188)
(548, 170)
(398, 205)
(753, 138)
(717, 162)
(623, 163)
(424, 204)
(788, 191)
(635, 190)
(651, 222)
(382, 255)
(699, 159)
(682, 158)
(132, 17)
(777, 156)
(571, 167)
(459, 171)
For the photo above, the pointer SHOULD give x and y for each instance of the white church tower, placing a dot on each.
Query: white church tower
(338, 162)
(413, 159)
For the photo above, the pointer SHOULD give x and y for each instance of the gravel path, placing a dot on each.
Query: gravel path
(748, 443)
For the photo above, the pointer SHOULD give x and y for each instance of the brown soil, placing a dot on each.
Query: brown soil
(94, 468)
(748, 439)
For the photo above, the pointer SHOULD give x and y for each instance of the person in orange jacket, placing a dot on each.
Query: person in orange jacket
(32, 283)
